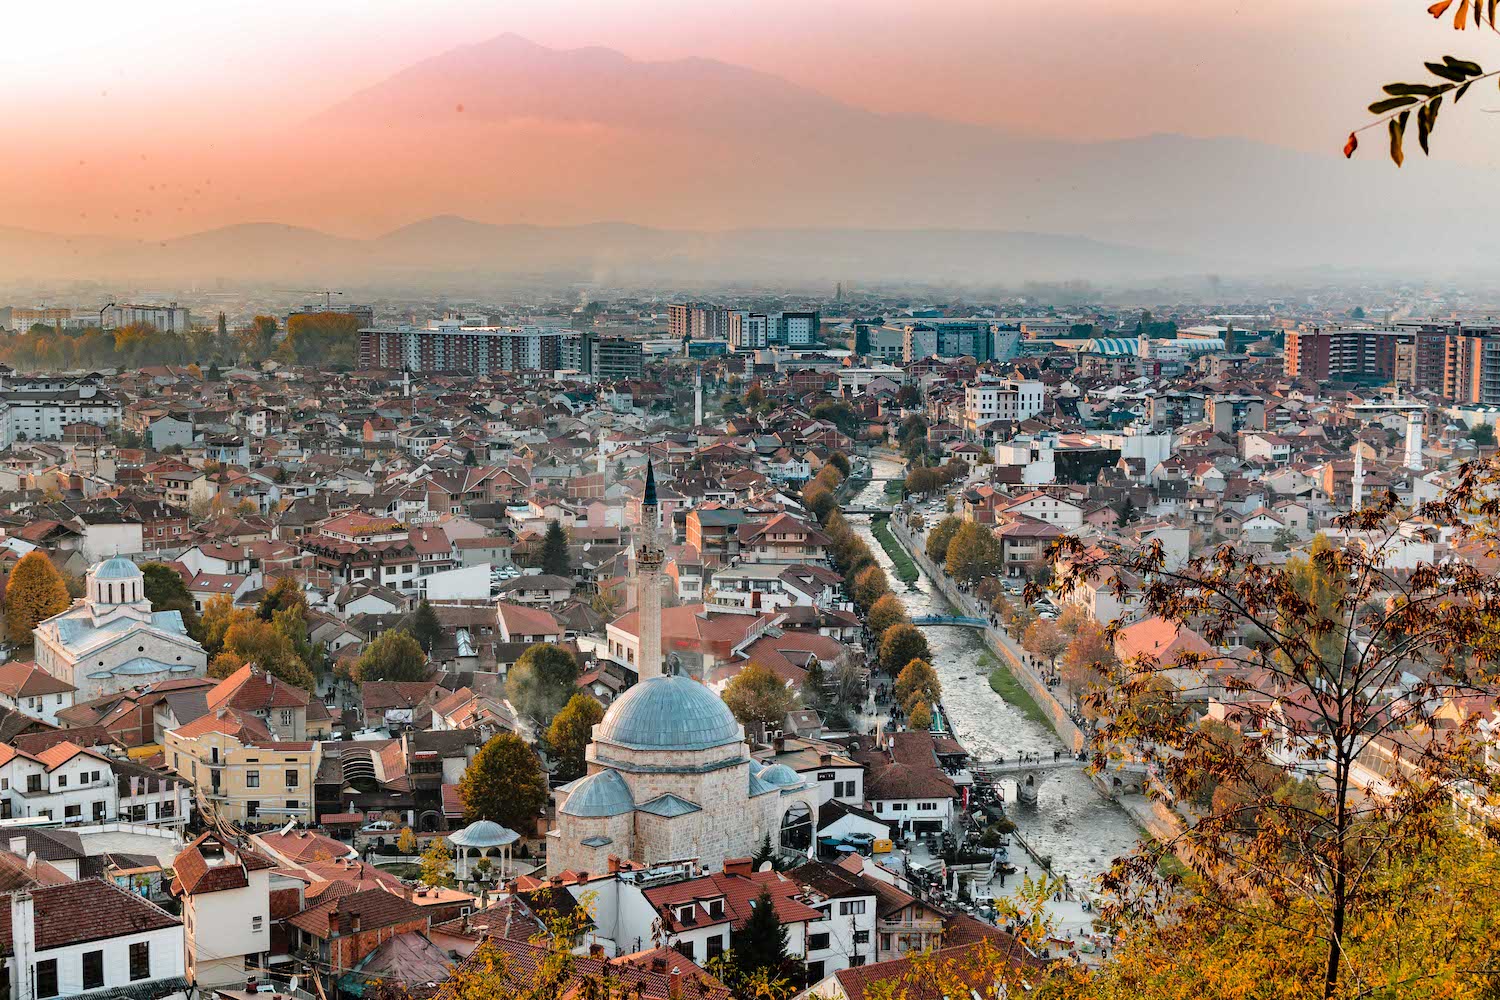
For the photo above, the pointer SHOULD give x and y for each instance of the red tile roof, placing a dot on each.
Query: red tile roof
(252, 689)
(737, 892)
(207, 864)
(24, 679)
(374, 908)
(87, 910)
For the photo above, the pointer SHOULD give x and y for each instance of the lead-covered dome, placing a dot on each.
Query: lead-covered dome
(670, 713)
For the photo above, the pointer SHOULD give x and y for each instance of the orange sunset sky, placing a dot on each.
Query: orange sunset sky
(161, 117)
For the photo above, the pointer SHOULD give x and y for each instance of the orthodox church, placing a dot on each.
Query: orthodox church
(670, 776)
(112, 641)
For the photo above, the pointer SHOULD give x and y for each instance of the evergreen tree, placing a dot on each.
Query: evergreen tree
(570, 732)
(36, 592)
(425, 627)
(765, 853)
(555, 559)
(166, 591)
(760, 946)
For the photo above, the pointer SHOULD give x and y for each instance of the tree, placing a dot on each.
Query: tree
(166, 591)
(919, 720)
(392, 656)
(1344, 658)
(219, 616)
(760, 946)
(437, 864)
(918, 684)
(1044, 640)
(884, 613)
(505, 784)
(902, 644)
(839, 460)
(251, 640)
(35, 592)
(425, 626)
(542, 681)
(406, 841)
(1448, 77)
(1483, 435)
(870, 586)
(814, 684)
(756, 694)
(555, 559)
(973, 554)
(1089, 659)
(940, 536)
(766, 853)
(284, 592)
(570, 733)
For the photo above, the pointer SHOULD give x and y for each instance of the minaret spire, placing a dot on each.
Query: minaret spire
(649, 558)
(1359, 476)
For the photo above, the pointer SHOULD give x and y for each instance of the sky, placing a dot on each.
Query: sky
(160, 83)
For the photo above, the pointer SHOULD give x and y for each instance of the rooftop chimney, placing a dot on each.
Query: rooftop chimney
(739, 866)
(18, 846)
(674, 986)
(614, 864)
(596, 949)
(658, 964)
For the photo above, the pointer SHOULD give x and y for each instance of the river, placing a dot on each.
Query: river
(1079, 829)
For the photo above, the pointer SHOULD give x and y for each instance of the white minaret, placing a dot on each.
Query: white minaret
(1359, 476)
(1414, 419)
(649, 558)
(406, 382)
(698, 399)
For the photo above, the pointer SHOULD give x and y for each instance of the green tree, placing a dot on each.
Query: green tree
(425, 626)
(756, 694)
(392, 656)
(284, 592)
(505, 783)
(902, 644)
(840, 461)
(437, 864)
(760, 946)
(554, 558)
(940, 537)
(542, 681)
(166, 591)
(814, 684)
(1483, 435)
(35, 592)
(765, 854)
(570, 733)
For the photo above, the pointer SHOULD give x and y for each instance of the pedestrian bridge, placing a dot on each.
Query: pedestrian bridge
(1012, 766)
(951, 620)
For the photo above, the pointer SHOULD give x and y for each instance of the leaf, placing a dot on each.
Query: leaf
(1479, 21)
(1417, 89)
(1432, 113)
(1461, 18)
(1465, 66)
(1391, 104)
(1446, 72)
(1396, 130)
(1440, 8)
(1459, 96)
(1422, 129)
(1351, 145)
(1491, 9)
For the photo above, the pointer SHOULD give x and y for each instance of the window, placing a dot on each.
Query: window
(715, 947)
(926, 806)
(252, 808)
(716, 908)
(861, 937)
(62, 781)
(293, 804)
(73, 812)
(850, 907)
(99, 808)
(140, 961)
(166, 809)
(93, 970)
(255, 923)
(817, 942)
(814, 971)
(286, 716)
(46, 978)
(252, 779)
(686, 948)
(292, 777)
(856, 960)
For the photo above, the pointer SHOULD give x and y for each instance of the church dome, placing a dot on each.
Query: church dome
(118, 568)
(603, 793)
(670, 713)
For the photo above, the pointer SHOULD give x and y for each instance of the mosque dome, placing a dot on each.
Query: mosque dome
(670, 713)
(603, 793)
(781, 776)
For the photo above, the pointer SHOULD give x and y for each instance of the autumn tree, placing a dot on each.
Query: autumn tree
(505, 783)
(973, 553)
(254, 641)
(814, 684)
(884, 613)
(1345, 662)
(1089, 658)
(35, 592)
(570, 733)
(1044, 640)
(919, 720)
(406, 841)
(554, 557)
(166, 591)
(437, 864)
(756, 694)
(940, 536)
(425, 626)
(391, 656)
(917, 684)
(901, 644)
(219, 616)
(870, 586)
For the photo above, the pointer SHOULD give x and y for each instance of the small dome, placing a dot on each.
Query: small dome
(603, 793)
(670, 713)
(483, 833)
(781, 776)
(118, 568)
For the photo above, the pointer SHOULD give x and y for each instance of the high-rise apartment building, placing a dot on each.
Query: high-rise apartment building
(170, 318)
(749, 331)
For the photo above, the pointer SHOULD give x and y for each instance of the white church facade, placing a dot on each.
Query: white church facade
(112, 641)
(670, 776)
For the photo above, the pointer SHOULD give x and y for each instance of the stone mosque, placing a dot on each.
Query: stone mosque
(670, 776)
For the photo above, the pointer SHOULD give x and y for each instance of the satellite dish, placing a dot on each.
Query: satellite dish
(766, 866)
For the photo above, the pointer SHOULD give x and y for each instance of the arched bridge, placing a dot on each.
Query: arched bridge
(1028, 775)
(951, 620)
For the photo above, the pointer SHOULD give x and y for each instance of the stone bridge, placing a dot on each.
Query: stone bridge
(1028, 775)
(962, 620)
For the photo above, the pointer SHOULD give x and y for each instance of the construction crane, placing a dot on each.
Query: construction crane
(327, 293)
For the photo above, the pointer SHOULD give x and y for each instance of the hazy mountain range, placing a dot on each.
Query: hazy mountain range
(731, 174)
